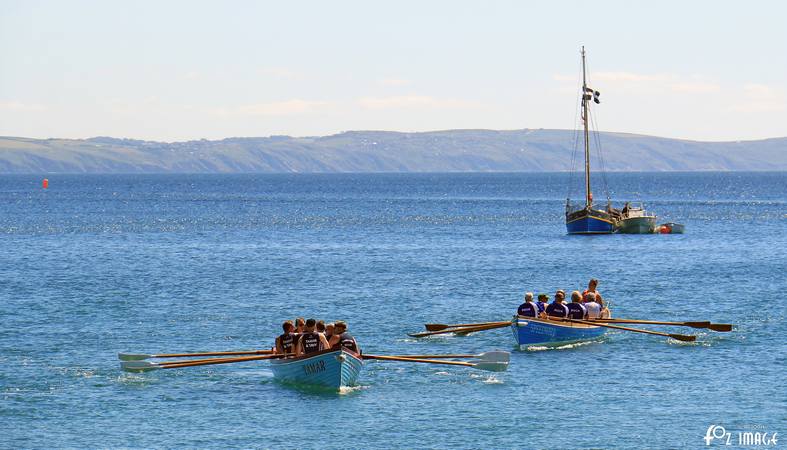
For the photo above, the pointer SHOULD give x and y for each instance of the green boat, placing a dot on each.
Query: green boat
(634, 219)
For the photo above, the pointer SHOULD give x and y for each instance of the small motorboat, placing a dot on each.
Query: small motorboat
(530, 331)
(670, 228)
(333, 369)
(635, 220)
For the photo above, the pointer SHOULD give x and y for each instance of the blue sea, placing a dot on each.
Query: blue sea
(96, 265)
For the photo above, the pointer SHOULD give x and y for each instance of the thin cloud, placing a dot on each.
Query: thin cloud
(695, 88)
(394, 82)
(652, 81)
(632, 77)
(283, 108)
(22, 107)
(411, 101)
(282, 73)
(760, 98)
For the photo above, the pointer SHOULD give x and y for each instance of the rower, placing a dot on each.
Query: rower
(576, 310)
(299, 324)
(528, 308)
(329, 331)
(310, 341)
(343, 339)
(592, 306)
(285, 343)
(557, 308)
(543, 301)
(320, 327)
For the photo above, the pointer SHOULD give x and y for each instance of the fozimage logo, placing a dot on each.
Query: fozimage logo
(719, 435)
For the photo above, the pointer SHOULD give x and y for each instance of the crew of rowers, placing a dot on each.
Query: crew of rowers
(587, 305)
(311, 336)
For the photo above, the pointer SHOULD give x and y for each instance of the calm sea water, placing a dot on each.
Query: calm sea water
(96, 265)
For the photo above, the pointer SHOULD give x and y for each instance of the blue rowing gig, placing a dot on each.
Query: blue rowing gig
(332, 369)
(529, 331)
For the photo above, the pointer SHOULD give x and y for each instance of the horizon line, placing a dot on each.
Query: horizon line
(378, 131)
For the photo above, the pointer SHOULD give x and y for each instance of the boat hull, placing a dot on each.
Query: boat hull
(333, 369)
(589, 221)
(671, 228)
(637, 225)
(529, 331)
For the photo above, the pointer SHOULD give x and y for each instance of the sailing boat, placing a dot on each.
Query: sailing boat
(587, 219)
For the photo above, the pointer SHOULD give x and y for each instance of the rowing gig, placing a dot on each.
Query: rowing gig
(529, 331)
(332, 369)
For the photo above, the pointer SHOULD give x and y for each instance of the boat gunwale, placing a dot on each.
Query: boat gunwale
(297, 359)
(554, 322)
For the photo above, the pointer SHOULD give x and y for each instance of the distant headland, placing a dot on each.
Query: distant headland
(527, 150)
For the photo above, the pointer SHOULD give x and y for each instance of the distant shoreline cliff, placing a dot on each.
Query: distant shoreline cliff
(529, 150)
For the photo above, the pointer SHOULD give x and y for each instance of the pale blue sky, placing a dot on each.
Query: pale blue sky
(175, 70)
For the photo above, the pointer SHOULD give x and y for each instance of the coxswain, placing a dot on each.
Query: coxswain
(310, 341)
(528, 308)
(592, 306)
(557, 308)
(342, 339)
(576, 310)
(592, 285)
(285, 343)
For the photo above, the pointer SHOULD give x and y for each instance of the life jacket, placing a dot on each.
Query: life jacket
(310, 342)
(527, 309)
(577, 311)
(287, 342)
(557, 310)
(347, 341)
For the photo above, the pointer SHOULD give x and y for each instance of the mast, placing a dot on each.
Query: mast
(585, 98)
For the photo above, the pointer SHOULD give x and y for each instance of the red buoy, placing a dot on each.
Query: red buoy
(45, 183)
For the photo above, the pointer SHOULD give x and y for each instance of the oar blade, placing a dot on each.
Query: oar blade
(494, 357)
(683, 337)
(495, 366)
(697, 324)
(435, 326)
(723, 327)
(133, 356)
(139, 366)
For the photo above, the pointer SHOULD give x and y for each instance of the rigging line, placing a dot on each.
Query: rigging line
(600, 154)
(599, 151)
(572, 167)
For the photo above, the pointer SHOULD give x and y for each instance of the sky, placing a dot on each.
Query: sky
(182, 70)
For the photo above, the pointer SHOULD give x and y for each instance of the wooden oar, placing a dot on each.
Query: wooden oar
(488, 356)
(680, 337)
(442, 326)
(724, 327)
(140, 356)
(143, 366)
(472, 329)
(492, 364)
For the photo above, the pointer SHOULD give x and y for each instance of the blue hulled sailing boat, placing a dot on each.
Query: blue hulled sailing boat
(585, 219)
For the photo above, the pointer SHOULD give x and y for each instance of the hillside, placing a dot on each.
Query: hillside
(383, 151)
